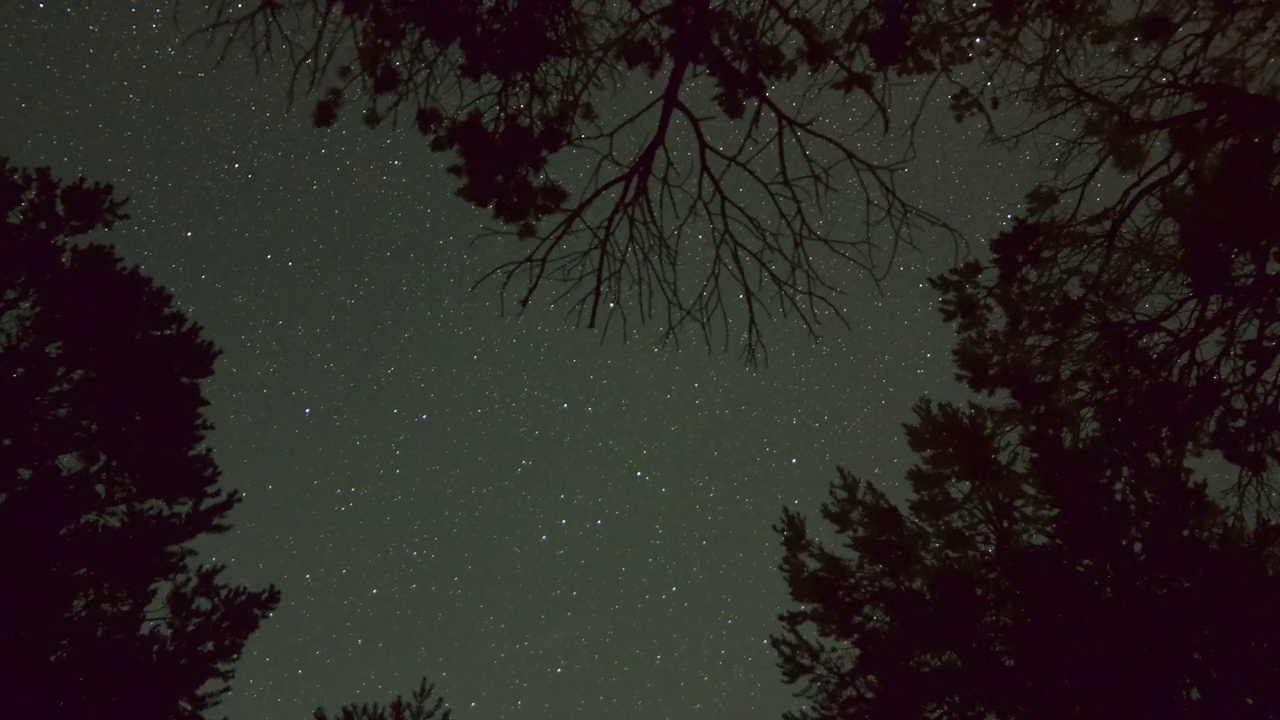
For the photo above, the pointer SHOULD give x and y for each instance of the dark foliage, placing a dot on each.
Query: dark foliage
(419, 708)
(1003, 593)
(104, 481)
(1063, 554)
(672, 158)
(715, 137)
(1152, 311)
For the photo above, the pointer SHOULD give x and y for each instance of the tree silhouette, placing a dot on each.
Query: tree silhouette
(711, 140)
(1062, 554)
(1005, 594)
(670, 159)
(1154, 314)
(682, 156)
(104, 481)
(1060, 557)
(419, 708)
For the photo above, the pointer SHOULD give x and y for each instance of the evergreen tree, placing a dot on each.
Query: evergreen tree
(104, 478)
(419, 708)
(1062, 554)
(1004, 594)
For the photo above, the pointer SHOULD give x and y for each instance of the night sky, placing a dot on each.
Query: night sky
(544, 525)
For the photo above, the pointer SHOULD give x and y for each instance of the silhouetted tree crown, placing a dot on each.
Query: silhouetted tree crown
(104, 478)
(674, 159)
(419, 707)
(1002, 594)
(1063, 553)
(687, 158)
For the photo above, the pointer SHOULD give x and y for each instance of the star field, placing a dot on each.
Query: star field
(543, 524)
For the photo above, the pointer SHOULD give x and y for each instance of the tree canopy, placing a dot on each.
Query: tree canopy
(419, 707)
(1141, 288)
(104, 478)
(1064, 553)
(683, 157)
(1001, 594)
(672, 159)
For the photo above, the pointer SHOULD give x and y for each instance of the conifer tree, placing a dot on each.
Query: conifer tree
(419, 707)
(105, 480)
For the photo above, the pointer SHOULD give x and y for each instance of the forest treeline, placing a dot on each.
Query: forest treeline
(1063, 553)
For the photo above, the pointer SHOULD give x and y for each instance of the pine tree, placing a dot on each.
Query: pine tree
(1062, 554)
(419, 707)
(104, 477)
